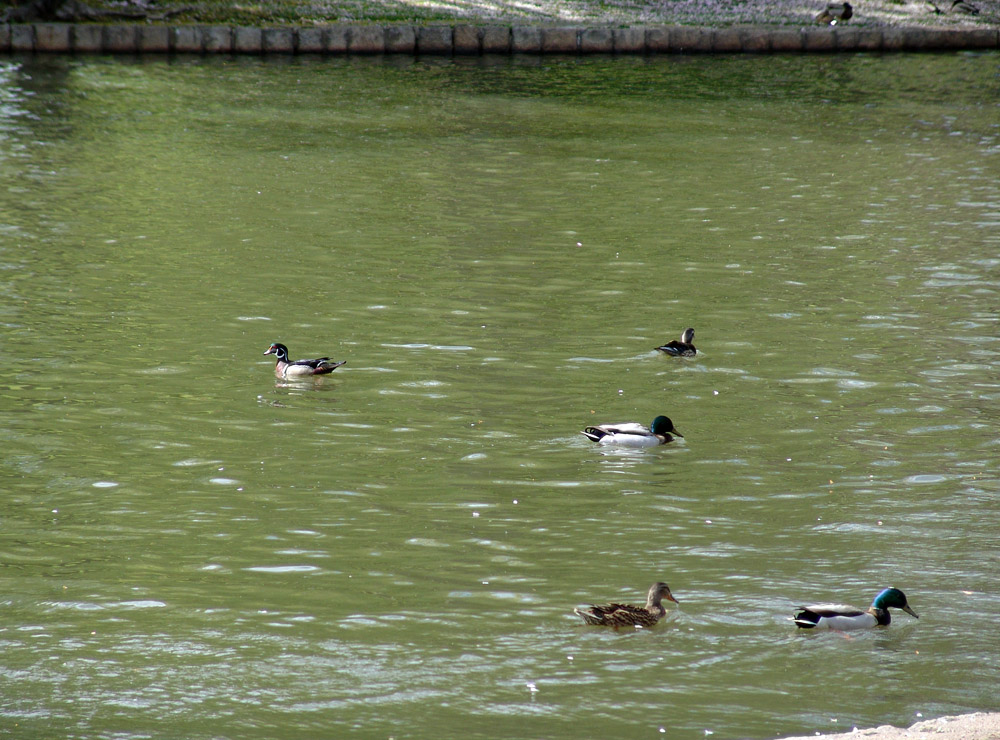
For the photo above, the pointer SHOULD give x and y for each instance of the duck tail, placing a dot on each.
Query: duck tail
(328, 367)
(806, 619)
(588, 615)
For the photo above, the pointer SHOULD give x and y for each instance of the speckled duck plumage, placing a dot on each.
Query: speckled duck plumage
(628, 615)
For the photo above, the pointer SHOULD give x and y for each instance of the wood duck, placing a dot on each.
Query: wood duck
(835, 12)
(683, 348)
(627, 615)
(633, 434)
(844, 617)
(283, 368)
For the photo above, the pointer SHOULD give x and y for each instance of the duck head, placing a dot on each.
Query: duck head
(278, 350)
(895, 598)
(663, 425)
(659, 591)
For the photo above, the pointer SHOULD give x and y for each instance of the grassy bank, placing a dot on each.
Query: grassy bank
(867, 13)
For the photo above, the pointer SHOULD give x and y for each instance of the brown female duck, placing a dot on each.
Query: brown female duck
(627, 615)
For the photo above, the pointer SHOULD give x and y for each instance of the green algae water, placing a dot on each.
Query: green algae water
(193, 549)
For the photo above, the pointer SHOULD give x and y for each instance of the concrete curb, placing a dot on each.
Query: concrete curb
(977, 726)
(467, 39)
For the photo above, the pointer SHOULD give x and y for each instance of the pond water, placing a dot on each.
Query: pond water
(192, 549)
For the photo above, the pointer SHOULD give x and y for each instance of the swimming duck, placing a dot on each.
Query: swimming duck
(835, 12)
(844, 617)
(283, 368)
(683, 348)
(633, 434)
(627, 615)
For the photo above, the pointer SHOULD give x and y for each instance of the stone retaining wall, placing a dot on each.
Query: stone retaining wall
(65, 38)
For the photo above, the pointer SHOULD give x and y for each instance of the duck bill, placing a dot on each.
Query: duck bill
(670, 597)
(675, 432)
(909, 611)
(270, 351)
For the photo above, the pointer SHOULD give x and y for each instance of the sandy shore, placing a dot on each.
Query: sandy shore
(978, 726)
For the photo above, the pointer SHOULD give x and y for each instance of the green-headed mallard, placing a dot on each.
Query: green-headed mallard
(844, 617)
(283, 368)
(683, 348)
(627, 615)
(633, 434)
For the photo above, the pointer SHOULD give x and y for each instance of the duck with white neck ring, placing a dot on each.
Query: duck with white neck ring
(844, 617)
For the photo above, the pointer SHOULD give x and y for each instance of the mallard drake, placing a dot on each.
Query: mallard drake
(835, 12)
(683, 348)
(627, 615)
(283, 368)
(844, 617)
(633, 434)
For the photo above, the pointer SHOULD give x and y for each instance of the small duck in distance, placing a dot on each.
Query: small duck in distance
(835, 12)
(683, 348)
(627, 615)
(843, 617)
(284, 368)
(961, 6)
(633, 434)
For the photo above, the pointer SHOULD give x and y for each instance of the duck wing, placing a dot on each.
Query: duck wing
(678, 349)
(673, 347)
(833, 610)
(600, 431)
(319, 366)
(628, 427)
(616, 615)
(311, 363)
(835, 616)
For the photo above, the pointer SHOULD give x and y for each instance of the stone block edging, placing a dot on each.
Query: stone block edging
(466, 39)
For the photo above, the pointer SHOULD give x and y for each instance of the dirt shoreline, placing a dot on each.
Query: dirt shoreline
(463, 27)
(977, 726)
(867, 14)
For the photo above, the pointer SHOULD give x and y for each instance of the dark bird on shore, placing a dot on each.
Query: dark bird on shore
(835, 12)
(683, 348)
(627, 615)
(960, 6)
(284, 368)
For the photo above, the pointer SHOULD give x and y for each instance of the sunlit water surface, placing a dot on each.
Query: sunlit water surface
(192, 549)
